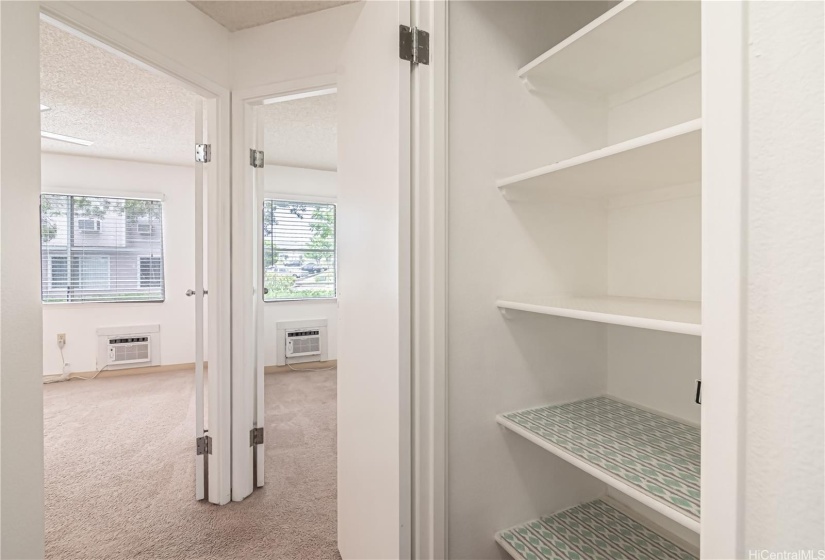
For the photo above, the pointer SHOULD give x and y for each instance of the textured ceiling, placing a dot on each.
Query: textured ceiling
(128, 112)
(302, 133)
(242, 14)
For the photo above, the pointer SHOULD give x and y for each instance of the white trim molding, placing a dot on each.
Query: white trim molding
(429, 197)
(723, 275)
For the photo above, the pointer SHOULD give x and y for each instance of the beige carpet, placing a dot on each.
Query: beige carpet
(120, 473)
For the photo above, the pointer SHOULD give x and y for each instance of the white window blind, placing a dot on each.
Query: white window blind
(100, 249)
(299, 250)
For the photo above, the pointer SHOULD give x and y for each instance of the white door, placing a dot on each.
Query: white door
(258, 293)
(247, 306)
(211, 453)
(202, 442)
(374, 287)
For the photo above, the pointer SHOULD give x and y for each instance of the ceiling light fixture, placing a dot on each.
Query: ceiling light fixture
(302, 95)
(44, 108)
(64, 138)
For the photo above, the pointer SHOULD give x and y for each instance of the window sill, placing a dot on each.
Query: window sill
(59, 304)
(308, 300)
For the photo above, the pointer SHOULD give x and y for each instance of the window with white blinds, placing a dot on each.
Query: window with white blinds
(298, 250)
(100, 249)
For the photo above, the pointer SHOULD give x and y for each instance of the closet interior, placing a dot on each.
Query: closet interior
(575, 279)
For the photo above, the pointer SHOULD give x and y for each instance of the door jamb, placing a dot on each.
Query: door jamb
(724, 252)
(429, 201)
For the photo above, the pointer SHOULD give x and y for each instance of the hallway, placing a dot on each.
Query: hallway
(120, 472)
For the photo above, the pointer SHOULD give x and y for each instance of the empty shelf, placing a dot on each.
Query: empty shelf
(661, 315)
(630, 43)
(592, 530)
(672, 156)
(652, 459)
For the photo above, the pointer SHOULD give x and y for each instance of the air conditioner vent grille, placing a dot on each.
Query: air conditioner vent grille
(303, 343)
(129, 350)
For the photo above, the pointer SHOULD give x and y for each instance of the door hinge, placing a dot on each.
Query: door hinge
(414, 45)
(203, 445)
(698, 398)
(203, 153)
(256, 436)
(256, 158)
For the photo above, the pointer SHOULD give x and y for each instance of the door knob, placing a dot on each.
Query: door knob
(190, 292)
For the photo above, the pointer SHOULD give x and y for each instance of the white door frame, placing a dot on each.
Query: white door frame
(429, 287)
(724, 255)
(723, 260)
(75, 21)
(247, 307)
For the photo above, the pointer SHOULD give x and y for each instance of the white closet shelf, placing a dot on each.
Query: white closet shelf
(672, 156)
(652, 459)
(633, 41)
(683, 317)
(592, 530)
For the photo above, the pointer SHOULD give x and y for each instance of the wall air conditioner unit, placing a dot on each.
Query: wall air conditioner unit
(305, 342)
(129, 350)
(88, 225)
(301, 341)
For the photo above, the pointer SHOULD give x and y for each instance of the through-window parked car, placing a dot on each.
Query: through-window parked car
(313, 268)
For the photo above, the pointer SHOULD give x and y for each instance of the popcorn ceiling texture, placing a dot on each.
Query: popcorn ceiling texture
(131, 113)
(301, 133)
(238, 15)
(128, 112)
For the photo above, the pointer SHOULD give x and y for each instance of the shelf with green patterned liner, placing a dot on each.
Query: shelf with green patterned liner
(589, 531)
(652, 459)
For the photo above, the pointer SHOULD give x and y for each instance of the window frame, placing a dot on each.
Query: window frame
(309, 200)
(125, 196)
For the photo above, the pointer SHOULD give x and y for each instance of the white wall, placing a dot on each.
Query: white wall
(785, 436)
(21, 393)
(320, 186)
(175, 315)
(291, 49)
(498, 248)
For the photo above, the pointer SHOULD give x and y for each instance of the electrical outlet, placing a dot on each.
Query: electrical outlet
(61, 340)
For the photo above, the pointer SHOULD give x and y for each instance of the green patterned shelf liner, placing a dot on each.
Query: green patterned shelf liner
(592, 531)
(656, 455)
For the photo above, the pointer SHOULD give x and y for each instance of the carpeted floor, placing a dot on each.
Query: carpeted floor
(120, 473)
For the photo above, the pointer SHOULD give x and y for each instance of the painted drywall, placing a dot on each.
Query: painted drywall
(373, 345)
(498, 248)
(291, 49)
(784, 437)
(176, 315)
(313, 185)
(655, 251)
(21, 393)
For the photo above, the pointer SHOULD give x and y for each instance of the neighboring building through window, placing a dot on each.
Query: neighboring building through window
(299, 250)
(100, 249)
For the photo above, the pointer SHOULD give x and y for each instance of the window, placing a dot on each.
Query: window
(299, 250)
(60, 272)
(151, 270)
(98, 249)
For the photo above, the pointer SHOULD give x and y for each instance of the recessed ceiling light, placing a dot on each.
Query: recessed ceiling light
(44, 108)
(64, 138)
